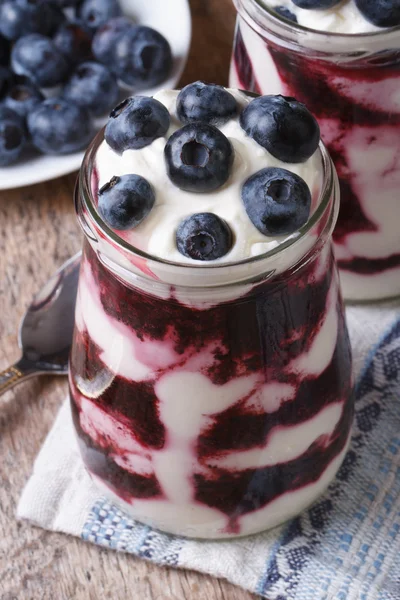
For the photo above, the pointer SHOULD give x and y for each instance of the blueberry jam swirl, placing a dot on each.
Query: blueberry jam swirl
(212, 422)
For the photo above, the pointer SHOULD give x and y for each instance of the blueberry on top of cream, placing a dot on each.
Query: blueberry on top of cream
(125, 201)
(135, 123)
(382, 13)
(205, 102)
(198, 158)
(208, 174)
(283, 126)
(277, 201)
(203, 236)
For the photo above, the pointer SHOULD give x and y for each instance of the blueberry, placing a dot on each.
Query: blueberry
(74, 42)
(21, 17)
(282, 126)
(125, 201)
(204, 237)
(37, 58)
(136, 123)
(316, 4)
(204, 102)
(92, 86)
(12, 136)
(4, 51)
(59, 127)
(382, 13)
(277, 201)
(142, 57)
(22, 98)
(95, 13)
(6, 81)
(198, 158)
(104, 41)
(284, 12)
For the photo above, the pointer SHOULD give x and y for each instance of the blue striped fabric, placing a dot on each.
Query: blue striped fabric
(347, 545)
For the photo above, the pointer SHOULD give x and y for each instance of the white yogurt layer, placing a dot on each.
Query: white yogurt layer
(156, 234)
(342, 18)
(201, 521)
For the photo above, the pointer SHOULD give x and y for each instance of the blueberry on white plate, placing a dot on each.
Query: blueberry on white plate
(95, 13)
(125, 201)
(205, 102)
(12, 136)
(23, 98)
(283, 126)
(36, 57)
(74, 42)
(57, 126)
(21, 17)
(204, 236)
(105, 39)
(135, 123)
(92, 86)
(143, 57)
(277, 201)
(198, 158)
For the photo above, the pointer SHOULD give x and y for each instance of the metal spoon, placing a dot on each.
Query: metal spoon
(45, 333)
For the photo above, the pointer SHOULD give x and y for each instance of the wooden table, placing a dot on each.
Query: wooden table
(38, 231)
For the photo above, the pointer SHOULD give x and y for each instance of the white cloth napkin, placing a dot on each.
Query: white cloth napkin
(345, 547)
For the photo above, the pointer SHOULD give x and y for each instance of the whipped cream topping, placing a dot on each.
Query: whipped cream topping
(342, 18)
(156, 234)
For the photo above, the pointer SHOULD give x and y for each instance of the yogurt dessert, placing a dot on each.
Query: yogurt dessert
(210, 379)
(342, 60)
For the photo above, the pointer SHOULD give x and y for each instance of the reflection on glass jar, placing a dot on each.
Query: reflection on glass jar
(220, 407)
(351, 83)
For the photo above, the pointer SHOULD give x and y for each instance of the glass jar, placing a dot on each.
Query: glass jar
(211, 401)
(351, 83)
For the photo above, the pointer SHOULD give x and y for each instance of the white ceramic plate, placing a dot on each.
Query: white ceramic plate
(172, 19)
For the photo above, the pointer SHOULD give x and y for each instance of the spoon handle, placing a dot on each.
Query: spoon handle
(10, 377)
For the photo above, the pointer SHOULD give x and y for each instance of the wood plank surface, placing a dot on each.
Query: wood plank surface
(38, 231)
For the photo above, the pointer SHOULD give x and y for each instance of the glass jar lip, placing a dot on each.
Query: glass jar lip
(286, 26)
(85, 189)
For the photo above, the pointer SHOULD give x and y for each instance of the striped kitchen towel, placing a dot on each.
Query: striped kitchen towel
(345, 547)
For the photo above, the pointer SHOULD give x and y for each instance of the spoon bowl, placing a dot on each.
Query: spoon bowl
(45, 333)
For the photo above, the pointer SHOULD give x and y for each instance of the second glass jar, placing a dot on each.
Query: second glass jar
(351, 83)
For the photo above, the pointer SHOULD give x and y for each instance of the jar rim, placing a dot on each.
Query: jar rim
(266, 18)
(97, 228)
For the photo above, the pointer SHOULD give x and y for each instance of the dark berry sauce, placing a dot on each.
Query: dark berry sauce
(259, 336)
